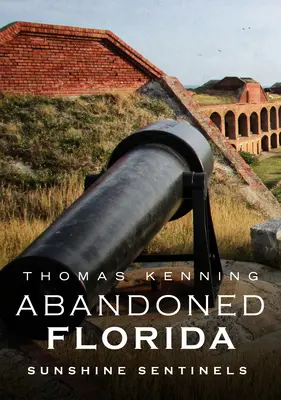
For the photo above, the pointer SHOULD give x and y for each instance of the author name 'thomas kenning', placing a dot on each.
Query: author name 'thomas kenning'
(148, 276)
(140, 370)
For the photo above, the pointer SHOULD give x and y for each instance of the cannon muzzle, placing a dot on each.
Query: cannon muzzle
(106, 228)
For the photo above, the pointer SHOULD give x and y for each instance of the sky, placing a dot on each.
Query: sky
(194, 40)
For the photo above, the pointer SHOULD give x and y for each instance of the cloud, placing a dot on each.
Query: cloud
(172, 33)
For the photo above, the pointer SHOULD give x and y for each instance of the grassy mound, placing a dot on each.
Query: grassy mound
(48, 145)
(268, 170)
(28, 213)
(43, 139)
(206, 99)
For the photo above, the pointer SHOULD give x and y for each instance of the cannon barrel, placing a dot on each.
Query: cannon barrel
(106, 228)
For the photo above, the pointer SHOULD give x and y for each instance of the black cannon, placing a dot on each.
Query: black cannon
(156, 175)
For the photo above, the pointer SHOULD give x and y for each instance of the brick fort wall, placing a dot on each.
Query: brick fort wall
(51, 59)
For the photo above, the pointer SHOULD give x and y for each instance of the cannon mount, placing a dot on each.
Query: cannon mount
(206, 259)
(154, 176)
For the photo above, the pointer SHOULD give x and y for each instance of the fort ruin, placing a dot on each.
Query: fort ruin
(52, 60)
(252, 124)
(59, 60)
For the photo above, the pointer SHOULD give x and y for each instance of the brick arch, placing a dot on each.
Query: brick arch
(216, 118)
(273, 118)
(230, 125)
(265, 143)
(254, 123)
(264, 119)
(243, 125)
(273, 141)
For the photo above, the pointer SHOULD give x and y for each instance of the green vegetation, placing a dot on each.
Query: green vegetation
(277, 193)
(250, 158)
(205, 99)
(48, 145)
(25, 214)
(273, 97)
(269, 170)
(43, 139)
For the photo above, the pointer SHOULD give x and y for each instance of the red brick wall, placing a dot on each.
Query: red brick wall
(195, 113)
(255, 94)
(47, 59)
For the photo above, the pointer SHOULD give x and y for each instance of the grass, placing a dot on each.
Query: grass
(268, 170)
(205, 99)
(48, 145)
(233, 236)
(26, 214)
(43, 139)
(273, 97)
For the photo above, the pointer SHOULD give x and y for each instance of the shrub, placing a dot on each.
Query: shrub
(277, 193)
(250, 158)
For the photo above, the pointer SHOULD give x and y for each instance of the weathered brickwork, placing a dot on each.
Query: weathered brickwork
(249, 127)
(51, 59)
(252, 93)
(58, 60)
(194, 112)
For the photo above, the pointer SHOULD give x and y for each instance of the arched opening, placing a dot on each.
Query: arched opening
(264, 143)
(279, 116)
(273, 118)
(233, 145)
(280, 139)
(254, 123)
(229, 123)
(273, 141)
(264, 120)
(242, 125)
(216, 118)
